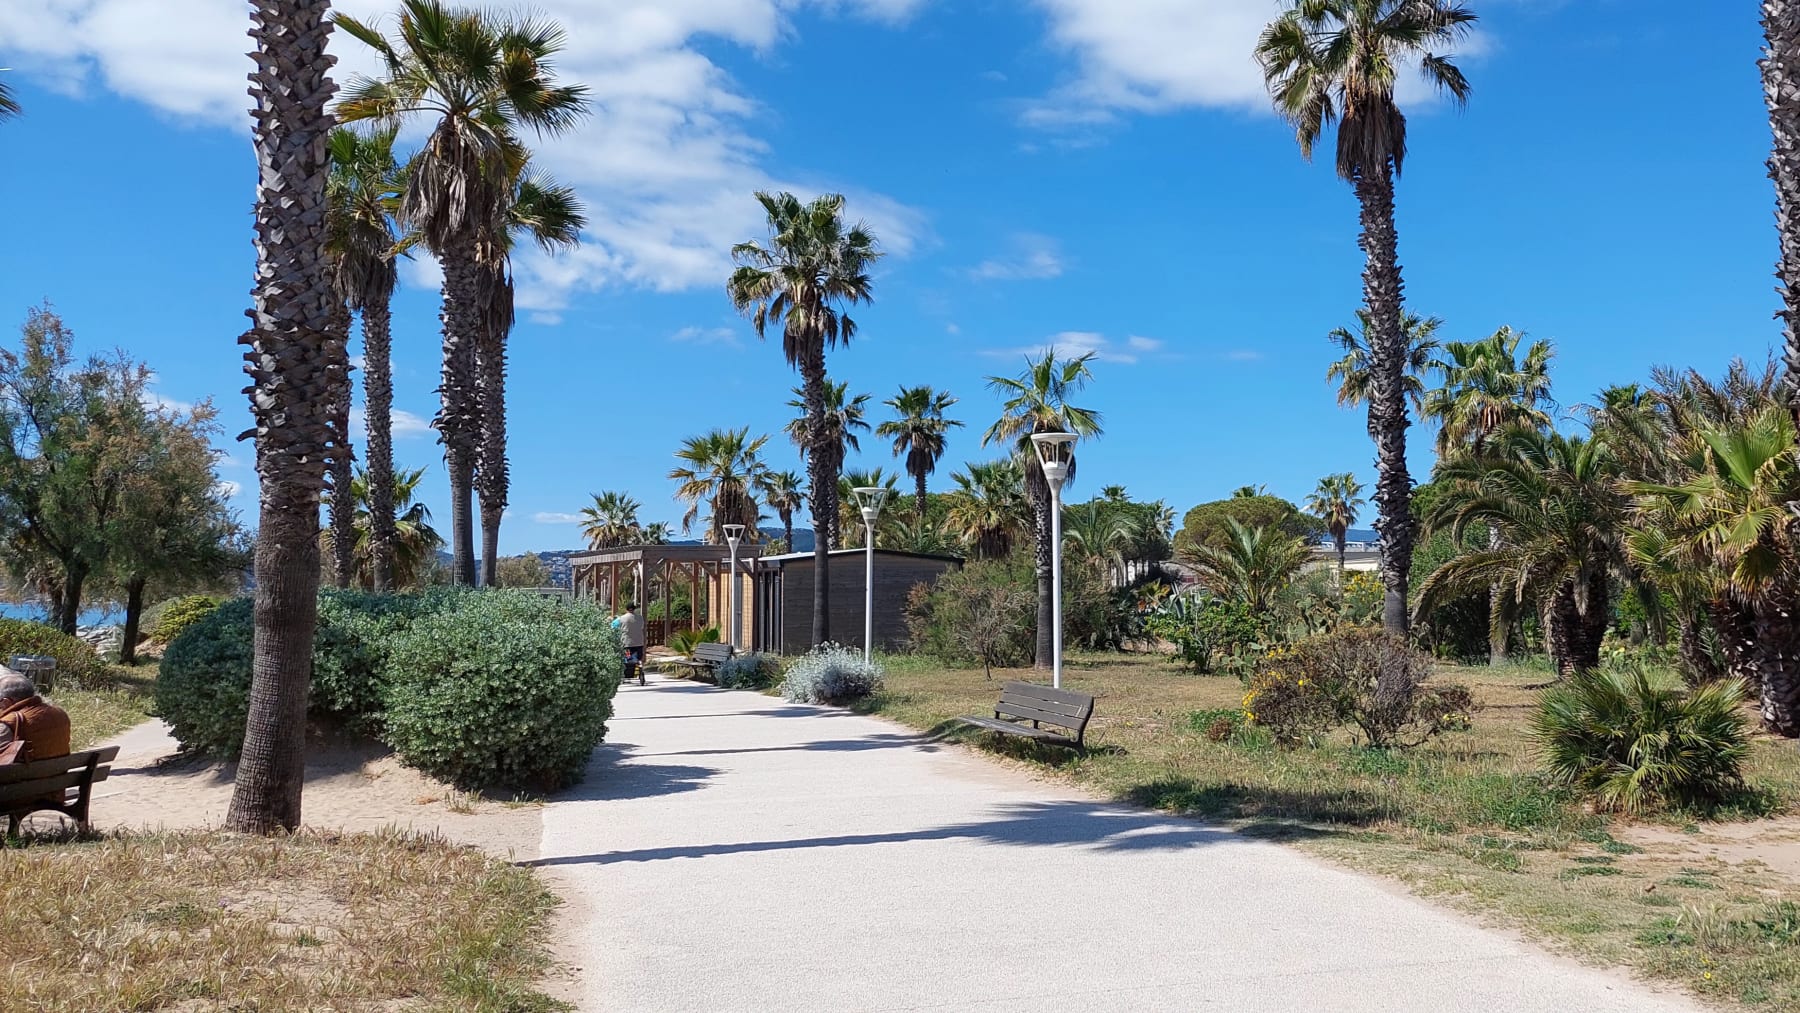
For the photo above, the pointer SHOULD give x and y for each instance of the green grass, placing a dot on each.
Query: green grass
(101, 707)
(1467, 817)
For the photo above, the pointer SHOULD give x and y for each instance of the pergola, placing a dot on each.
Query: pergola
(654, 572)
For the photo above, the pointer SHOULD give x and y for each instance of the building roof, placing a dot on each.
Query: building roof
(879, 551)
(678, 551)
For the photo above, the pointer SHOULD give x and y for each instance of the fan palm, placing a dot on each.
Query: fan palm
(1351, 373)
(9, 106)
(295, 367)
(415, 542)
(850, 520)
(1252, 566)
(918, 432)
(544, 211)
(1098, 536)
(844, 415)
(1780, 71)
(364, 192)
(1037, 401)
(811, 269)
(1337, 60)
(482, 77)
(989, 508)
(1487, 387)
(781, 492)
(722, 474)
(1336, 500)
(611, 521)
(658, 533)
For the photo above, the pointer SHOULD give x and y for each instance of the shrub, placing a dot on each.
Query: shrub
(830, 674)
(1217, 725)
(502, 689)
(1205, 630)
(1362, 599)
(984, 613)
(1334, 679)
(1636, 743)
(350, 650)
(177, 614)
(76, 662)
(749, 671)
(683, 642)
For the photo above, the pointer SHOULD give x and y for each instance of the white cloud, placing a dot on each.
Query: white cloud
(705, 336)
(666, 164)
(1069, 344)
(1032, 257)
(359, 362)
(405, 424)
(228, 489)
(1152, 56)
(550, 517)
(1244, 355)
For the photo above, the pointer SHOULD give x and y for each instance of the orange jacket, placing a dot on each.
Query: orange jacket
(44, 728)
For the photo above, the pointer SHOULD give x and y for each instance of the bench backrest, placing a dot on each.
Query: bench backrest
(21, 782)
(1045, 705)
(713, 652)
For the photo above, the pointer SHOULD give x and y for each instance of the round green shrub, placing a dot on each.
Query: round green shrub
(75, 661)
(166, 620)
(502, 689)
(350, 654)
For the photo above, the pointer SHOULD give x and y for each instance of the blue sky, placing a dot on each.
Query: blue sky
(1102, 174)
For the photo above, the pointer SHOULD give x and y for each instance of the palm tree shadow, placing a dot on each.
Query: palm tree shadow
(614, 773)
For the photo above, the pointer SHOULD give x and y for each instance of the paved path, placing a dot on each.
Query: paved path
(733, 852)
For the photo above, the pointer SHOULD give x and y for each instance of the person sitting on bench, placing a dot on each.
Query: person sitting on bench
(27, 718)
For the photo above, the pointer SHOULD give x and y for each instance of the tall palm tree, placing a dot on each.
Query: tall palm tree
(1037, 401)
(1351, 373)
(1252, 566)
(415, 541)
(658, 533)
(364, 191)
(295, 366)
(850, 521)
(989, 508)
(722, 473)
(547, 213)
(1337, 60)
(918, 432)
(811, 268)
(1781, 90)
(781, 492)
(844, 415)
(1487, 387)
(611, 521)
(1336, 500)
(482, 77)
(1114, 494)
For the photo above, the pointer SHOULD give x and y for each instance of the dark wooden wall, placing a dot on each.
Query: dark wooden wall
(895, 577)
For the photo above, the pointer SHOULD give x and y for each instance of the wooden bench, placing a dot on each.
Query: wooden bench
(63, 784)
(707, 657)
(1023, 701)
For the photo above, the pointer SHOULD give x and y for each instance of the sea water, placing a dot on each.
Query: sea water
(39, 613)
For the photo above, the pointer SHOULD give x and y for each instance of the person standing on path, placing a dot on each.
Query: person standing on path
(631, 632)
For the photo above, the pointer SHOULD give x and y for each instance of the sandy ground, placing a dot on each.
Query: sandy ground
(1773, 842)
(350, 785)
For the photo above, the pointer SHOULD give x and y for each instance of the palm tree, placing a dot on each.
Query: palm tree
(1487, 387)
(989, 508)
(1114, 494)
(295, 366)
(364, 191)
(1099, 536)
(1327, 60)
(844, 415)
(1560, 507)
(611, 521)
(546, 212)
(1037, 401)
(781, 493)
(1351, 373)
(722, 473)
(1252, 566)
(850, 515)
(1249, 491)
(9, 106)
(658, 533)
(811, 268)
(415, 542)
(1336, 500)
(918, 433)
(482, 77)
(1780, 72)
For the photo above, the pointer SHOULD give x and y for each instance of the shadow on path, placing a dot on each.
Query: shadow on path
(610, 779)
(1064, 823)
(880, 741)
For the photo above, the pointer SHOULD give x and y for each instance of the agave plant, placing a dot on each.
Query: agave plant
(1637, 742)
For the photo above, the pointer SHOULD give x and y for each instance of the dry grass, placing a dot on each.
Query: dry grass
(1465, 817)
(103, 707)
(192, 921)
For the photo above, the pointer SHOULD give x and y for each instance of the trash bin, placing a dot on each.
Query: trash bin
(39, 668)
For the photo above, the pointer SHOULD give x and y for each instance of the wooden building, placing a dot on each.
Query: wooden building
(782, 597)
(651, 574)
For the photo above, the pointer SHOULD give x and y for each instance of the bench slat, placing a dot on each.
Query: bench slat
(12, 772)
(1008, 728)
(1072, 711)
(713, 652)
(1050, 694)
(26, 790)
(1023, 712)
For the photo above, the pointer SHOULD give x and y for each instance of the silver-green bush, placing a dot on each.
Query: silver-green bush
(831, 674)
(748, 671)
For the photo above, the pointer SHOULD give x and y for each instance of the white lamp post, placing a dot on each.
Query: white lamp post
(733, 532)
(1053, 452)
(870, 498)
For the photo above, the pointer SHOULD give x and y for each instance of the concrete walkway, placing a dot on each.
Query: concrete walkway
(732, 852)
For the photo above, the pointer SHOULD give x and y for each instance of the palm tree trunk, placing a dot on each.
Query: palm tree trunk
(821, 476)
(378, 392)
(787, 529)
(134, 616)
(293, 374)
(1698, 665)
(1340, 547)
(458, 423)
(1736, 627)
(1499, 616)
(492, 477)
(919, 495)
(1778, 660)
(1382, 292)
(1781, 90)
(1039, 492)
(1592, 623)
(1560, 631)
(343, 503)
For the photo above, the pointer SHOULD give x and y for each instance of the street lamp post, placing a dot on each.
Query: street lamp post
(870, 498)
(733, 532)
(1053, 452)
